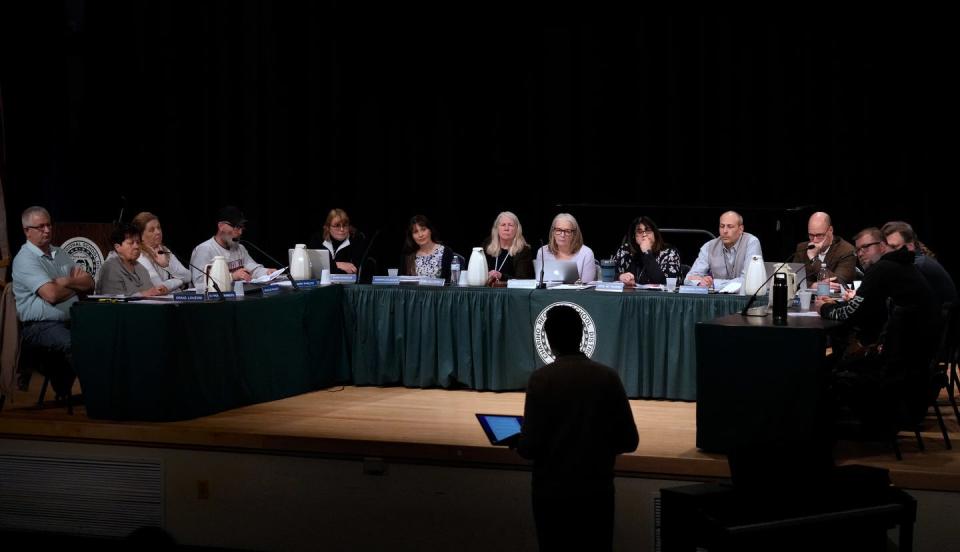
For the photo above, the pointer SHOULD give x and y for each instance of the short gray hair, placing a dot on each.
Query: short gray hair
(30, 211)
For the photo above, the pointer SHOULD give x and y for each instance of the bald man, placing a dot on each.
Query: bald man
(725, 259)
(828, 250)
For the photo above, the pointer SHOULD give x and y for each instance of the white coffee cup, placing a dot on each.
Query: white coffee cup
(805, 296)
(671, 284)
(324, 277)
(393, 271)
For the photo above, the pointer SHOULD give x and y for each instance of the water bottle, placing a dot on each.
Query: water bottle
(455, 271)
(823, 283)
(779, 298)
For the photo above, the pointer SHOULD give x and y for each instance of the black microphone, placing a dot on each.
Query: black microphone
(208, 279)
(293, 281)
(363, 259)
(123, 206)
(540, 284)
(753, 297)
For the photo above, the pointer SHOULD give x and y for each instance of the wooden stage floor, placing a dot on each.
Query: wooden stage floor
(438, 426)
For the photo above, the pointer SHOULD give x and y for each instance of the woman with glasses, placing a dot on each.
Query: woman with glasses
(566, 244)
(342, 241)
(422, 256)
(508, 255)
(644, 258)
(164, 268)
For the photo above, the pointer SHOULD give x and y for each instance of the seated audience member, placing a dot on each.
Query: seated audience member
(899, 234)
(830, 251)
(422, 256)
(230, 227)
(164, 268)
(508, 255)
(340, 239)
(122, 274)
(891, 322)
(577, 419)
(725, 258)
(566, 244)
(46, 283)
(644, 258)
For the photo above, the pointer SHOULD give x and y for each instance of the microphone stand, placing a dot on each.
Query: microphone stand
(366, 252)
(753, 298)
(293, 281)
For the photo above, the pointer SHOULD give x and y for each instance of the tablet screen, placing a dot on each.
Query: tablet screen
(499, 427)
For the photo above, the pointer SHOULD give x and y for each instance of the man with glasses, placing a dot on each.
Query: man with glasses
(829, 251)
(46, 283)
(726, 258)
(230, 225)
(889, 277)
(899, 234)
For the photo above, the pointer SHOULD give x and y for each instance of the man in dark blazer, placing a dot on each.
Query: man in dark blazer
(576, 420)
(833, 252)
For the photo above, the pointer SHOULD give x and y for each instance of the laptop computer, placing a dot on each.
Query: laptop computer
(557, 271)
(319, 261)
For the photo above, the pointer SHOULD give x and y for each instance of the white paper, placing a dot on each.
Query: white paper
(570, 286)
(811, 314)
(268, 277)
(731, 287)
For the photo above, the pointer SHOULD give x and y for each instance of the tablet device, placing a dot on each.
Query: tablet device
(500, 427)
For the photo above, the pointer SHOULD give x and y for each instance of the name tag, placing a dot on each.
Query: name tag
(343, 278)
(438, 282)
(521, 284)
(307, 284)
(695, 290)
(189, 297)
(610, 286)
(272, 288)
(386, 280)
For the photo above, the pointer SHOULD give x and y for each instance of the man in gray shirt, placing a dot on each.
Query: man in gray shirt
(46, 282)
(230, 227)
(726, 258)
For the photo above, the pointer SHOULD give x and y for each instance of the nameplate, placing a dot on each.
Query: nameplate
(343, 278)
(695, 290)
(189, 297)
(610, 286)
(386, 280)
(521, 284)
(308, 284)
(436, 282)
(267, 290)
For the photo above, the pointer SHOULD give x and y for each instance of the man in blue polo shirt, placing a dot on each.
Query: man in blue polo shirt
(46, 282)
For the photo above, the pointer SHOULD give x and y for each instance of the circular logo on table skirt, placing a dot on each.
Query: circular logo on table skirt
(588, 343)
(85, 253)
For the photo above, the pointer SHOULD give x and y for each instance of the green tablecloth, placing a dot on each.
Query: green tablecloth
(484, 338)
(179, 361)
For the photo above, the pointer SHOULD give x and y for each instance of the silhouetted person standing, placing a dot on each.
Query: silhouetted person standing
(576, 420)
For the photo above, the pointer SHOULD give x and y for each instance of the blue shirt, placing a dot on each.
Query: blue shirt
(32, 269)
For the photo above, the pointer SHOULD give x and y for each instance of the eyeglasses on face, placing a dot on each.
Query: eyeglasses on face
(231, 225)
(39, 227)
(866, 246)
(644, 232)
(564, 231)
(817, 236)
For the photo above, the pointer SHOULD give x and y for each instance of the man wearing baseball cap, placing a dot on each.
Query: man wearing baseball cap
(230, 224)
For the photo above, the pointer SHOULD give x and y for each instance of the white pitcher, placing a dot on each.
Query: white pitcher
(755, 276)
(300, 265)
(219, 272)
(477, 270)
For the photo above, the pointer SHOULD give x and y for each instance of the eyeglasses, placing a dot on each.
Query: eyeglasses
(817, 236)
(232, 225)
(40, 227)
(644, 232)
(866, 246)
(564, 231)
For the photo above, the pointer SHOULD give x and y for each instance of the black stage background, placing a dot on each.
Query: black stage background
(289, 109)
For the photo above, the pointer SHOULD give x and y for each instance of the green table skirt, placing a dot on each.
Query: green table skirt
(484, 338)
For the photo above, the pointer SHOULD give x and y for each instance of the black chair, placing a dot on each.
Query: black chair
(949, 354)
(55, 369)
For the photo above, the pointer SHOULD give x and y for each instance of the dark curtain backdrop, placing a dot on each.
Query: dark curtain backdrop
(289, 109)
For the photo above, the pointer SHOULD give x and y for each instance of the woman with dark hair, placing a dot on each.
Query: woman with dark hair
(422, 256)
(644, 258)
(340, 239)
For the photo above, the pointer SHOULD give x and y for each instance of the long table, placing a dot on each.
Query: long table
(179, 361)
(184, 360)
(484, 338)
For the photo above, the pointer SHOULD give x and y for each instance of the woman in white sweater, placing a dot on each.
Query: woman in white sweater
(566, 244)
(162, 265)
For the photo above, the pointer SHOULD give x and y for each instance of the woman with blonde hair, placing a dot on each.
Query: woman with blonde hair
(566, 244)
(162, 265)
(340, 239)
(508, 255)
